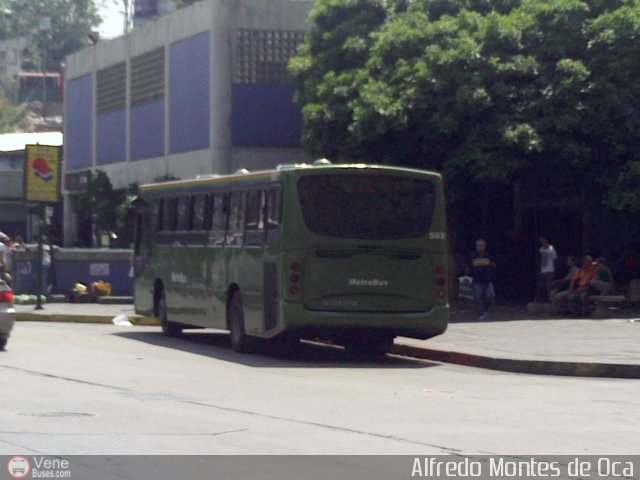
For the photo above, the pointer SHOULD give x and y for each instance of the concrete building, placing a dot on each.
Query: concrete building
(204, 90)
(146, 10)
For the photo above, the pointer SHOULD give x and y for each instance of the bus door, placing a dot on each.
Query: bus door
(260, 255)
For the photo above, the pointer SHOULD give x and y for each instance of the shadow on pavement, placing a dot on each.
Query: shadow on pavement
(300, 355)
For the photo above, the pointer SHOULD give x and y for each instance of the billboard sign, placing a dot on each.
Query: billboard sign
(42, 173)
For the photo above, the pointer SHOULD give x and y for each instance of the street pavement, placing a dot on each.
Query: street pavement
(511, 340)
(87, 389)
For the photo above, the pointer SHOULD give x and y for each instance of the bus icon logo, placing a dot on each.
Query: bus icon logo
(18, 467)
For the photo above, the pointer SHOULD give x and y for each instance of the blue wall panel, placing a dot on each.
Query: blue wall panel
(190, 87)
(265, 116)
(147, 130)
(110, 137)
(78, 130)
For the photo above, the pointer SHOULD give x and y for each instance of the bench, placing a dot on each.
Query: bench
(603, 303)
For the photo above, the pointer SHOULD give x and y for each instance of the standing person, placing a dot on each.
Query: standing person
(547, 272)
(4, 269)
(8, 257)
(481, 269)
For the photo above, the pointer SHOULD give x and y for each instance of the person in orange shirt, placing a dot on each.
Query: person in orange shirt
(578, 297)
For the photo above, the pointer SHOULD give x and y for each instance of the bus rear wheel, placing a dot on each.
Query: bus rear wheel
(369, 345)
(169, 328)
(240, 341)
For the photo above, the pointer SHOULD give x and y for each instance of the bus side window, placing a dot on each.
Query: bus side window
(171, 222)
(160, 209)
(273, 215)
(197, 212)
(218, 217)
(235, 228)
(183, 212)
(254, 225)
(207, 212)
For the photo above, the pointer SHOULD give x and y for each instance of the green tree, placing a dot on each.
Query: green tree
(615, 102)
(71, 21)
(98, 206)
(13, 116)
(484, 91)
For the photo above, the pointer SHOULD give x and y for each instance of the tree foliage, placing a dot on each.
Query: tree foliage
(482, 90)
(13, 116)
(71, 23)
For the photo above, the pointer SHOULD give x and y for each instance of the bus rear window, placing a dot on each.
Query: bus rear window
(367, 206)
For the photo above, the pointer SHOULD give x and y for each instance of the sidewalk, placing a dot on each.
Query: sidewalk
(511, 340)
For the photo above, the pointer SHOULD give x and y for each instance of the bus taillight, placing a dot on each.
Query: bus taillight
(441, 281)
(294, 278)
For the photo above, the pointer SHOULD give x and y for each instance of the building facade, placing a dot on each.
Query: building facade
(146, 10)
(204, 90)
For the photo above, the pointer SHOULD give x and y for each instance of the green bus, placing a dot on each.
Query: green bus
(351, 253)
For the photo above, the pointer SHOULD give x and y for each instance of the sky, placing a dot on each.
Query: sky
(112, 24)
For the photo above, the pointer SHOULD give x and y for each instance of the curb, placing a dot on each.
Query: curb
(69, 318)
(534, 367)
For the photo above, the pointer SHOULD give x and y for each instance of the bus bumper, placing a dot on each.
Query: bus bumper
(421, 325)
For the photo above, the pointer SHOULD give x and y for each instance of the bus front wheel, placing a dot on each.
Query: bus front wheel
(169, 328)
(240, 342)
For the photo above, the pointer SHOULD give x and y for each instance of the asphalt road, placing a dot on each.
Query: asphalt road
(98, 389)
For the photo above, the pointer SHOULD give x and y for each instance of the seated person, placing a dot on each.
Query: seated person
(578, 296)
(560, 287)
(603, 283)
(627, 270)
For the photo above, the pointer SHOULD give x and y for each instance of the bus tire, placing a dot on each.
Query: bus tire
(369, 345)
(240, 341)
(169, 328)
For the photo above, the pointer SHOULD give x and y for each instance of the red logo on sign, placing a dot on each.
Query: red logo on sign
(42, 169)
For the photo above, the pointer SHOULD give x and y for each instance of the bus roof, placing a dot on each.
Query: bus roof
(244, 178)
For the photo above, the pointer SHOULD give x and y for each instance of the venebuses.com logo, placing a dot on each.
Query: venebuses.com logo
(18, 467)
(38, 467)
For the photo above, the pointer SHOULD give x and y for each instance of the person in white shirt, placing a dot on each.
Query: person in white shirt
(4, 269)
(547, 272)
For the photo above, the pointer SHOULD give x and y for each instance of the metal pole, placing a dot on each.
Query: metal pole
(40, 255)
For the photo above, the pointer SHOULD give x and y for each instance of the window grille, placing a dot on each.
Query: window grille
(262, 56)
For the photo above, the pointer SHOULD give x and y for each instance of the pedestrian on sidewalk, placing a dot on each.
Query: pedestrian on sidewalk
(578, 297)
(560, 288)
(547, 271)
(603, 283)
(5, 256)
(481, 268)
